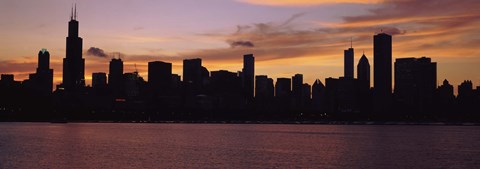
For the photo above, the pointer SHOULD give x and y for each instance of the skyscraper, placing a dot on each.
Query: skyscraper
(248, 73)
(159, 77)
(466, 98)
(134, 84)
(263, 87)
(297, 82)
(43, 78)
(306, 93)
(73, 63)
(382, 72)
(465, 90)
(444, 98)
(348, 63)
(283, 88)
(115, 77)
(318, 96)
(363, 73)
(415, 83)
(192, 71)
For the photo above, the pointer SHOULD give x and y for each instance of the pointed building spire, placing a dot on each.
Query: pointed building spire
(71, 14)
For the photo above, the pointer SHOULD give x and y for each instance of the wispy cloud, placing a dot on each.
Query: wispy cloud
(305, 2)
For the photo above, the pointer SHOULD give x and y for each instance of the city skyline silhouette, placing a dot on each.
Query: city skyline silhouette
(303, 44)
(239, 84)
(223, 94)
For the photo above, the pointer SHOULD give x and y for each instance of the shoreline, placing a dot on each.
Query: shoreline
(399, 123)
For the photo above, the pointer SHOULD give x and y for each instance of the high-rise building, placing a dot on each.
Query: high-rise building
(248, 78)
(43, 60)
(465, 90)
(43, 79)
(192, 71)
(226, 84)
(73, 63)
(382, 72)
(446, 89)
(348, 63)
(318, 96)
(134, 84)
(445, 97)
(415, 83)
(342, 95)
(115, 77)
(363, 72)
(159, 77)
(263, 87)
(283, 87)
(297, 88)
(466, 98)
(99, 80)
(306, 92)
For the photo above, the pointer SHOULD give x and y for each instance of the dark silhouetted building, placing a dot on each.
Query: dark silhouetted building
(264, 89)
(297, 89)
(176, 83)
(99, 81)
(73, 63)
(363, 73)
(283, 88)
(115, 77)
(248, 76)
(415, 84)
(363, 76)
(134, 84)
(226, 88)
(318, 96)
(42, 81)
(195, 76)
(192, 71)
(444, 98)
(382, 72)
(348, 63)
(446, 90)
(159, 77)
(342, 95)
(8, 80)
(465, 90)
(306, 94)
(466, 98)
(225, 82)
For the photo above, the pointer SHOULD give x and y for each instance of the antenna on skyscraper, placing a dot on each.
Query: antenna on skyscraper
(75, 17)
(136, 70)
(71, 15)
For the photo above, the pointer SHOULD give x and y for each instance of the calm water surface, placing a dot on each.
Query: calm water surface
(84, 145)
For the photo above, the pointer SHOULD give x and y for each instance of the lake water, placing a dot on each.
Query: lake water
(111, 145)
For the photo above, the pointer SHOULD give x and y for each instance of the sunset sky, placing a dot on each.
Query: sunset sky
(286, 36)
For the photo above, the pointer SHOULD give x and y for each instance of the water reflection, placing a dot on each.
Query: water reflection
(43, 145)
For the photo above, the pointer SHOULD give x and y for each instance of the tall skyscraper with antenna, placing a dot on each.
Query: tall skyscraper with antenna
(73, 63)
(348, 61)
